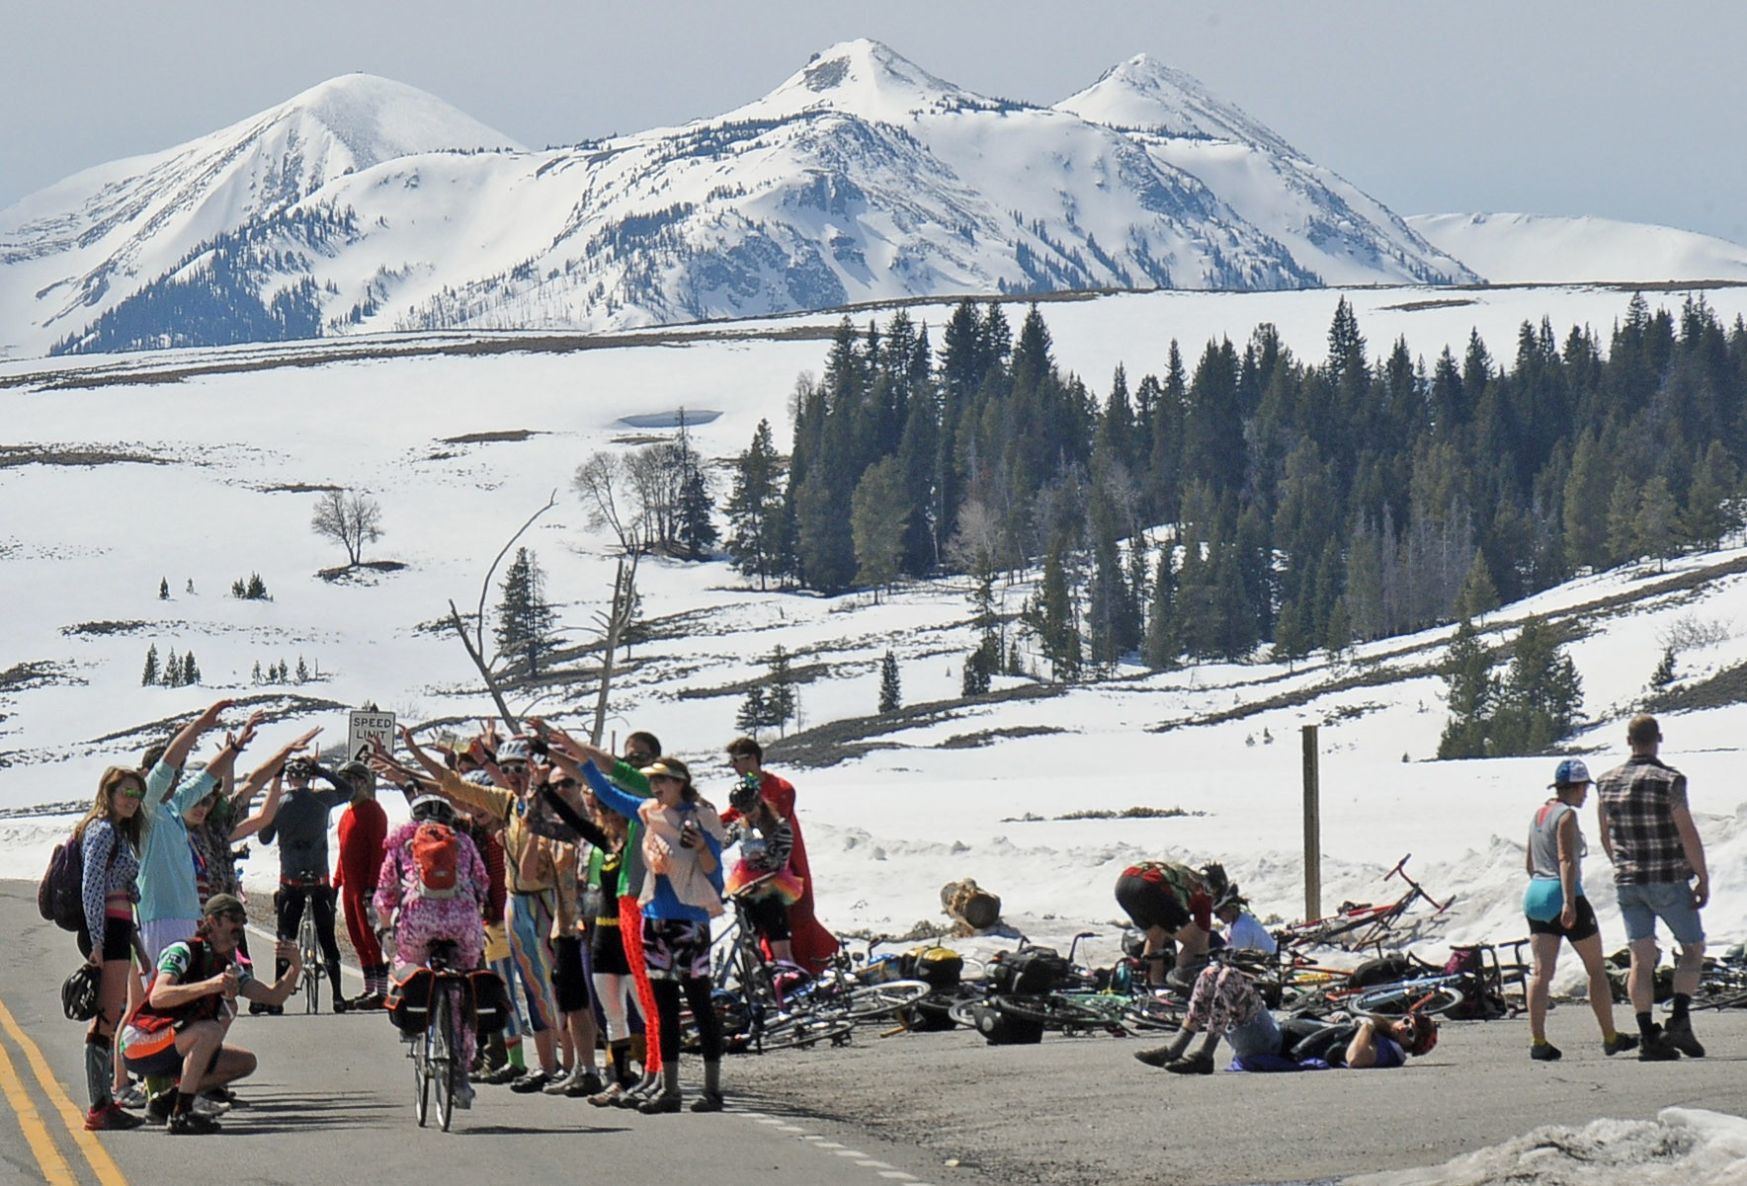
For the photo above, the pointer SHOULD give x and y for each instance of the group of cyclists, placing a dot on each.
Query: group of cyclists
(585, 880)
(588, 883)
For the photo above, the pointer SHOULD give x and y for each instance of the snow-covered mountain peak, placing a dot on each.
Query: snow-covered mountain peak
(379, 119)
(1144, 93)
(862, 77)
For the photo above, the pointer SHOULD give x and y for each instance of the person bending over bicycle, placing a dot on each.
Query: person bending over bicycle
(763, 878)
(433, 883)
(179, 1029)
(301, 830)
(1171, 902)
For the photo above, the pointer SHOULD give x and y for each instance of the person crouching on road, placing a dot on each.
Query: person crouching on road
(181, 1026)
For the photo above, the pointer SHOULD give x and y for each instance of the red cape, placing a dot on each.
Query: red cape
(813, 945)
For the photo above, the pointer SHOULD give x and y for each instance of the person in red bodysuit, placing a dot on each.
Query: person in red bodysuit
(363, 828)
(813, 945)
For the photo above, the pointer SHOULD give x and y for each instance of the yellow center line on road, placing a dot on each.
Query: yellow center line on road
(42, 1145)
(72, 1117)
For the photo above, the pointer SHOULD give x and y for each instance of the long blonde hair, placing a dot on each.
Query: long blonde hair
(103, 807)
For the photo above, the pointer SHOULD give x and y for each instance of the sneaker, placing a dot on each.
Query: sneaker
(559, 1083)
(209, 1107)
(191, 1124)
(1619, 1044)
(532, 1081)
(1158, 1056)
(589, 1084)
(111, 1118)
(134, 1097)
(1678, 1034)
(1199, 1063)
(709, 1101)
(657, 1105)
(224, 1095)
(1545, 1052)
(608, 1098)
(161, 1105)
(1655, 1047)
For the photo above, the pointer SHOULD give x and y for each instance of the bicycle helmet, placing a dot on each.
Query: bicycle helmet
(1425, 1034)
(79, 993)
(1229, 896)
(356, 774)
(433, 808)
(301, 769)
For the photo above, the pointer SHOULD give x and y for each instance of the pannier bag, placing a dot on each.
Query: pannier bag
(1028, 971)
(938, 967)
(491, 1000)
(1003, 1029)
(409, 1000)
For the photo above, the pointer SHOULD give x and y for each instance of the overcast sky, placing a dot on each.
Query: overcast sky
(1628, 110)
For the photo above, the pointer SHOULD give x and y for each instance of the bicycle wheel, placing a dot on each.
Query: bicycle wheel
(1152, 1015)
(964, 1012)
(1052, 1011)
(442, 1071)
(881, 1000)
(311, 963)
(806, 1029)
(421, 1073)
(1396, 1000)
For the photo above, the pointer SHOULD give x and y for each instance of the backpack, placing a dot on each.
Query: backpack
(436, 855)
(60, 895)
(1480, 1001)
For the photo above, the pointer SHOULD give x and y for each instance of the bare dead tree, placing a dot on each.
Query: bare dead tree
(614, 623)
(349, 519)
(476, 643)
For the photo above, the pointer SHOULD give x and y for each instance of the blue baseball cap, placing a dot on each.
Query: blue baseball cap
(1572, 772)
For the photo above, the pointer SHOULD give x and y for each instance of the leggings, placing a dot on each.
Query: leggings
(358, 926)
(1223, 999)
(613, 992)
(289, 904)
(631, 934)
(697, 991)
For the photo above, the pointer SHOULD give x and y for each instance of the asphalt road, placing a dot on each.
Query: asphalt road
(332, 1103)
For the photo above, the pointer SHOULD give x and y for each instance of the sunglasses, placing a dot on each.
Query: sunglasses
(564, 782)
(134, 793)
(513, 767)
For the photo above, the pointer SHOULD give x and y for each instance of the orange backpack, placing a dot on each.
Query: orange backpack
(436, 855)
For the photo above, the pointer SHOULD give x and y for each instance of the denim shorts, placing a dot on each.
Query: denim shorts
(1671, 901)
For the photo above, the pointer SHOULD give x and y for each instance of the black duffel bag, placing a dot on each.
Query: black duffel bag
(1028, 971)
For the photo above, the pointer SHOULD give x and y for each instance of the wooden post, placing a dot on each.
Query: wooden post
(1312, 828)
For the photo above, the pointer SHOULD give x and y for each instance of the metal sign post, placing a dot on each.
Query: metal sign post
(364, 727)
(1312, 828)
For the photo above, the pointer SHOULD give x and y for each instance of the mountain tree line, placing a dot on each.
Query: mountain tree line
(1306, 503)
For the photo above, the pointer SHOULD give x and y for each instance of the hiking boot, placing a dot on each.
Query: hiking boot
(1199, 1063)
(1158, 1056)
(531, 1082)
(1655, 1047)
(111, 1117)
(1545, 1052)
(187, 1124)
(656, 1105)
(709, 1101)
(1678, 1034)
(1619, 1044)
(588, 1083)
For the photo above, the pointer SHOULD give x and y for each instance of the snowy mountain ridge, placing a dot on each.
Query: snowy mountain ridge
(362, 205)
(1550, 249)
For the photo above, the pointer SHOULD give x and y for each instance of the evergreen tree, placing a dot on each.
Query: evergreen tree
(1711, 512)
(163, 588)
(1291, 639)
(1163, 636)
(150, 676)
(779, 700)
(1479, 595)
(754, 509)
(879, 511)
(525, 620)
(302, 671)
(754, 712)
(1473, 696)
(190, 670)
(1655, 523)
(172, 676)
(891, 698)
(697, 525)
(1622, 522)
(255, 676)
(1541, 695)
(1051, 618)
(1664, 673)
(257, 588)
